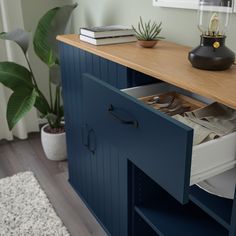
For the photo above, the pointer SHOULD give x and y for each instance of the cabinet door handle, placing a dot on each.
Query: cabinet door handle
(112, 112)
(89, 138)
(92, 141)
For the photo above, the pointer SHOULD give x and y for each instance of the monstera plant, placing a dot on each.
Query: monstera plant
(26, 93)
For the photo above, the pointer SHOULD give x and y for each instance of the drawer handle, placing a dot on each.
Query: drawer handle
(92, 144)
(89, 139)
(111, 111)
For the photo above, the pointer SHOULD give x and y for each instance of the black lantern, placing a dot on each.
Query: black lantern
(213, 21)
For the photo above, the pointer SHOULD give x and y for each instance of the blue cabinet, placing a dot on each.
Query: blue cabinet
(74, 63)
(157, 144)
(97, 169)
(113, 139)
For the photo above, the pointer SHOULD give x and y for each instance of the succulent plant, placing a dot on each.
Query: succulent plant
(148, 31)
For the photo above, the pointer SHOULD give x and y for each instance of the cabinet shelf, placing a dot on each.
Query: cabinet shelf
(142, 228)
(218, 208)
(171, 218)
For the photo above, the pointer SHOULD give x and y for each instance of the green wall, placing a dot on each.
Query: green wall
(178, 25)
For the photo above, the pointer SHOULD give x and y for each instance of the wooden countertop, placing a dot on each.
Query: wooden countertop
(167, 62)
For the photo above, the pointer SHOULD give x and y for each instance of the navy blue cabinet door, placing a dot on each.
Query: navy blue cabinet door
(75, 62)
(154, 142)
(106, 177)
(98, 176)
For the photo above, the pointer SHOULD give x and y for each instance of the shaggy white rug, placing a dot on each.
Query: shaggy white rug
(25, 209)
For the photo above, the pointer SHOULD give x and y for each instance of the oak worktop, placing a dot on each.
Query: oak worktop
(167, 62)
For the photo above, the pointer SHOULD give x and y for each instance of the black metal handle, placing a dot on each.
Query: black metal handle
(89, 138)
(92, 144)
(123, 121)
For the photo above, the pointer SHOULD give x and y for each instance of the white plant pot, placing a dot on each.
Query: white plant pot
(54, 145)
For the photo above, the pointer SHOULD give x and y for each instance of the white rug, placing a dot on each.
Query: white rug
(25, 209)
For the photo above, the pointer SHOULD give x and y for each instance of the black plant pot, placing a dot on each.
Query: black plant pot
(212, 54)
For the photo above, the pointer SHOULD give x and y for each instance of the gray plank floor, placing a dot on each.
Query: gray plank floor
(22, 155)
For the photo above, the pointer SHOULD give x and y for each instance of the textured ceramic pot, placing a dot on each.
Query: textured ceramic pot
(147, 44)
(212, 54)
(54, 145)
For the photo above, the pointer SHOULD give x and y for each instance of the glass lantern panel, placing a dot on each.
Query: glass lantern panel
(214, 17)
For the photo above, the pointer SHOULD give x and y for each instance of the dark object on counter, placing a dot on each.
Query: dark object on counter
(212, 54)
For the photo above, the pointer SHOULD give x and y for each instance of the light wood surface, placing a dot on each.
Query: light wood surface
(167, 62)
(24, 155)
(192, 103)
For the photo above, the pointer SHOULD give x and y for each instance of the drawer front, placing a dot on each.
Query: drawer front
(157, 144)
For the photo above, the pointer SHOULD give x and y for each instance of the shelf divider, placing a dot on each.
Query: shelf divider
(168, 217)
(217, 207)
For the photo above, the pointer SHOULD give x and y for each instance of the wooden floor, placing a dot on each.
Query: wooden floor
(23, 155)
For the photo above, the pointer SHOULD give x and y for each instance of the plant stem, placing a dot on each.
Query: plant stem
(58, 106)
(31, 71)
(59, 101)
(55, 102)
(50, 93)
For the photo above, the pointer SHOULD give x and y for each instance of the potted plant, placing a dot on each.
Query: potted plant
(148, 33)
(21, 80)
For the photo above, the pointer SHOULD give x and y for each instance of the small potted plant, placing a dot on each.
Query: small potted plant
(147, 33)
(26, 92)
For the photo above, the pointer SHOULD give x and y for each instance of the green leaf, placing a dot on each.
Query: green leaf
(61, 111)
(153, 29)
(57, 100)
(19, 36)
(55, 74)
(138, 35)
(19, 104)
(53, 23)
(42, 106)
(147, 31)
(52, 118)
(13, 76)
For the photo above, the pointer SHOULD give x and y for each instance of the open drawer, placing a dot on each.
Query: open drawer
(156, 143)
(208, 159)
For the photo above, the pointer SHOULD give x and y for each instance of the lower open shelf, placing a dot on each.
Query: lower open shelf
(142, 228)
(217, 207)
(163, 215)
(171, 218)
